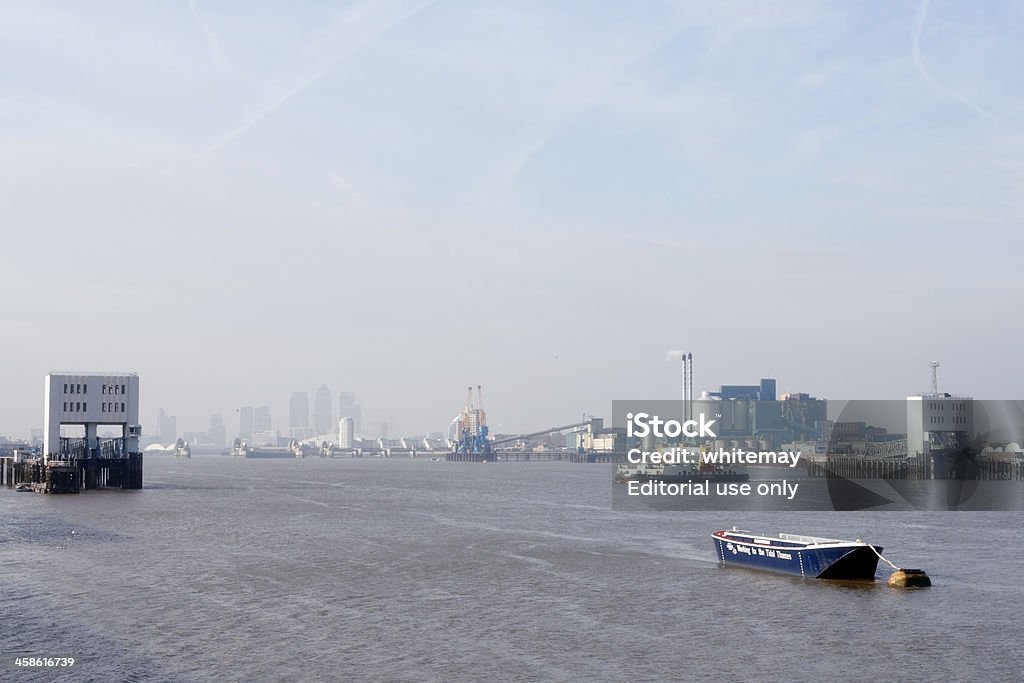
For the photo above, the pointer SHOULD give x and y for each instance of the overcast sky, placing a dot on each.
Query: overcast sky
(241, 200)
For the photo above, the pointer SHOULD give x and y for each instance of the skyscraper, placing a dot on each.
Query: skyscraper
(298, 415)
(322, 419)
(262, 419)
(167, 428)
(218, 433)
(347, 407)
(262, 433)
(246, 423)
(345, 435)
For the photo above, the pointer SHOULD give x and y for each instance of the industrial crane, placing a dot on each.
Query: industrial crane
(472, 436)
(473, 442)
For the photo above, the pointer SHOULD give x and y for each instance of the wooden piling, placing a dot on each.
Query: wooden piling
(74, 474)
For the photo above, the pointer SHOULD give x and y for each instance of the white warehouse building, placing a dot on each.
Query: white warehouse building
(936, 419)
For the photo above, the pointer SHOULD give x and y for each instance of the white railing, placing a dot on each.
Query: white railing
(807, 539)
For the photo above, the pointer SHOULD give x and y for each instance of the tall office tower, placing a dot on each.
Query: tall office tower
(262, 419)
(322, 418)
(347, 407)
(218, 433)
(167, 427)
(298, 415)
(345, 435)
(246, 423)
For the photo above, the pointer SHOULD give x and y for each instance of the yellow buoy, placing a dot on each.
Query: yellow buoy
(909, 578)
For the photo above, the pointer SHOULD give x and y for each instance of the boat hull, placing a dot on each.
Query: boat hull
(843, 561)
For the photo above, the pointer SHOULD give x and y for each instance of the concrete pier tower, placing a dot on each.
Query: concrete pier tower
(91, 400)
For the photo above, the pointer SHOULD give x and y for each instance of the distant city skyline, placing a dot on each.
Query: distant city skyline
(755, 388)
(249, 420)
(403, 199)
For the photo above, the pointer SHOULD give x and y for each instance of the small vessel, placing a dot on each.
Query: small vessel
(807, 556)
(23, 488)
(677, 474)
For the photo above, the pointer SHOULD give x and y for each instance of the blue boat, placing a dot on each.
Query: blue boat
(807, 556)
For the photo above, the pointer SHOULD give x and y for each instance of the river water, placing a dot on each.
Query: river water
(322, 570)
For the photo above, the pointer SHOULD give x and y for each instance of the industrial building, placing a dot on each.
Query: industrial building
(752, 411)
(805, 414)
(937, 421)
(940, 427)
(765, 391)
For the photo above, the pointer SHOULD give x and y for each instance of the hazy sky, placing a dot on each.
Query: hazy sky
(241, 200)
